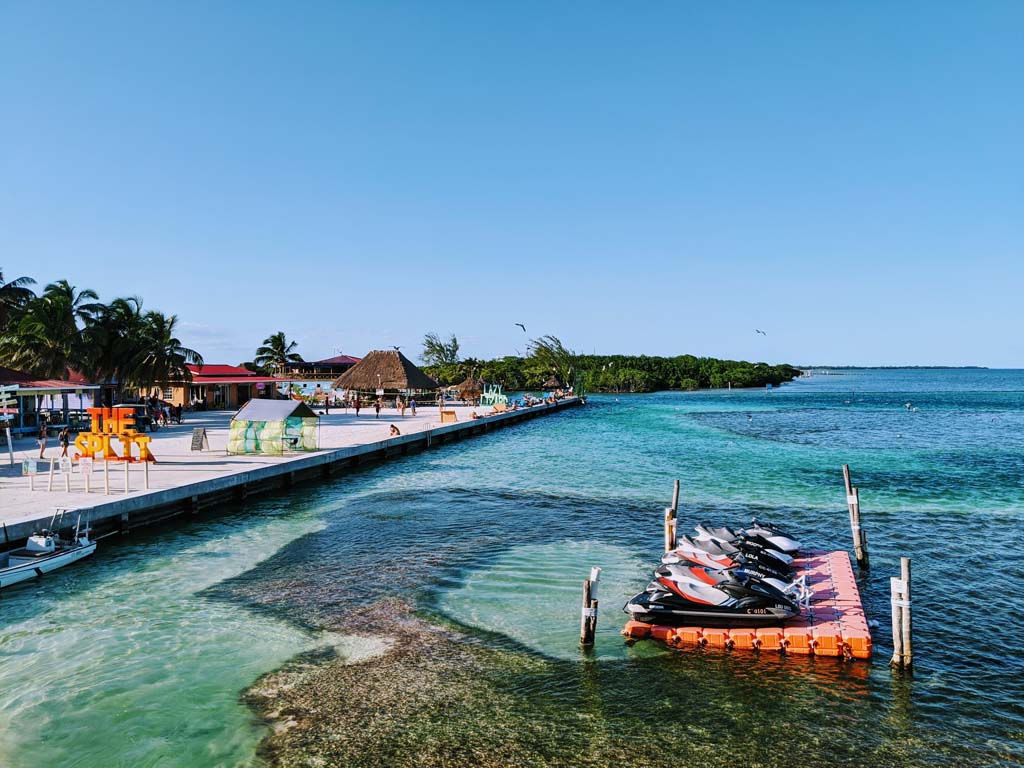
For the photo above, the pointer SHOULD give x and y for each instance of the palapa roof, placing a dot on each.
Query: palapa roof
(384, 369)
(552, 383)
(471, 385)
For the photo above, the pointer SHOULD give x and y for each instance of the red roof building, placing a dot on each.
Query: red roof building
(219, 387)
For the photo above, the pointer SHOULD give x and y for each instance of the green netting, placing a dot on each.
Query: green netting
(273, 437)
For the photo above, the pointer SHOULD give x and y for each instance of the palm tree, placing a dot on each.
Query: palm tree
(81, 311)
(42, 341)
(112, 341)
(163, 358)
(277, 352)
(14, 295)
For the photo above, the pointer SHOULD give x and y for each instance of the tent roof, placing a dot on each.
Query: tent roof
(386, 369)
(272, 410)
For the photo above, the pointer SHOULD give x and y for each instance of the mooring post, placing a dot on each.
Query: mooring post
(588, 613)
(671, 519)
(49, 484)
(860, 539)
(902, 645)
(908, 647)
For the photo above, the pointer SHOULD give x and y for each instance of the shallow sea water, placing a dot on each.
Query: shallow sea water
(471, 557)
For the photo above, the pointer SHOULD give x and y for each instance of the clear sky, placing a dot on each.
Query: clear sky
(652, 177)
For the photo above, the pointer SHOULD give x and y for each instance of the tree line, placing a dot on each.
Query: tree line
(64, 329)
(550, 361)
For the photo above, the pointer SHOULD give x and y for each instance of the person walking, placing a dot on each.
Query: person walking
(358, 404)
(42, 439)
(64, 438)
(376, 407)
(412, 406)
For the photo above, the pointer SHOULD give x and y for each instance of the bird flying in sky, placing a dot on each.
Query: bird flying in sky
(396, 348)
(522, 326)
(758, 330)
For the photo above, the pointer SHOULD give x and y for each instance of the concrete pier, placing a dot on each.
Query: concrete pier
(184, 482)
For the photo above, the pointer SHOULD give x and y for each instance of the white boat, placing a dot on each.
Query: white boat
(43, 552)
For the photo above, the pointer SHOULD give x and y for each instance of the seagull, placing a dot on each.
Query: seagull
(396, 348)
(758, 330)
(521, 326)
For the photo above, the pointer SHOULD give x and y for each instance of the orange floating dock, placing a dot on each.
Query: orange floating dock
(834, 625)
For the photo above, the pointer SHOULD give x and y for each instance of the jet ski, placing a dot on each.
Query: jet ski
(674, 598)
(670, 574)
(721, 555)
(767, 537)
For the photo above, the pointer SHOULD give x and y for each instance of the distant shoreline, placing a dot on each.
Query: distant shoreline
(893, 367)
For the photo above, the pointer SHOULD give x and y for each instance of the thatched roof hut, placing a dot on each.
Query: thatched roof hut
(384, 369)
(471, 388)
(552, 383)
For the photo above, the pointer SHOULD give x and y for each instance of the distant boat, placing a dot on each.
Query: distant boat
(43, 552)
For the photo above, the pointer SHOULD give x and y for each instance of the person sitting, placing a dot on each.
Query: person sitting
(473, 415)
(394, 431)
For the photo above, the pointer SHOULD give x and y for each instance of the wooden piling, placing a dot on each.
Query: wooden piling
(671, 519)
(902, 624)
(588, 613)
(860, 537)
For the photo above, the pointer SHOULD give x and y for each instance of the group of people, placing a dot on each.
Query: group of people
(163, 414)
(379, 403)
(63, 439)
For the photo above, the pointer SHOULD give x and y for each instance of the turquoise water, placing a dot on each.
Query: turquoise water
(140, 657)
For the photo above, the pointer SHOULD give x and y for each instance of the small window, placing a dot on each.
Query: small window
(168, 394)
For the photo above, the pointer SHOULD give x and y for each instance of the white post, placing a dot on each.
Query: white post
(106, 476)
(66, 469)
(896, 599)
(127, 489)
(49, 484)
(908, 651)
(88, 473)
(145, 472)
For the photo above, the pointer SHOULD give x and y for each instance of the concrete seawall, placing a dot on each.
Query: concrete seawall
(189, 498)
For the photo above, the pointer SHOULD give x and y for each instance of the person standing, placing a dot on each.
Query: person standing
(64, 438)
(376, 407)
(42, 439)
(412, 406)
(358, 404)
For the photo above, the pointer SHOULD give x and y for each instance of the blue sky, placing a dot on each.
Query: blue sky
(656, 178)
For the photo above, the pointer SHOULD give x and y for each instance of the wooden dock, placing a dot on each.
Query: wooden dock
(833, 625)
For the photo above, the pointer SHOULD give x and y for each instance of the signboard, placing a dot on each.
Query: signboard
(29, 467)
(85, 466)
(65, 465)
(10, 443)
(199, 441)
(380, 393)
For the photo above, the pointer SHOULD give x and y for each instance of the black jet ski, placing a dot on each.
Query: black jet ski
(736, 598)
(765, 535)
(722, 555)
